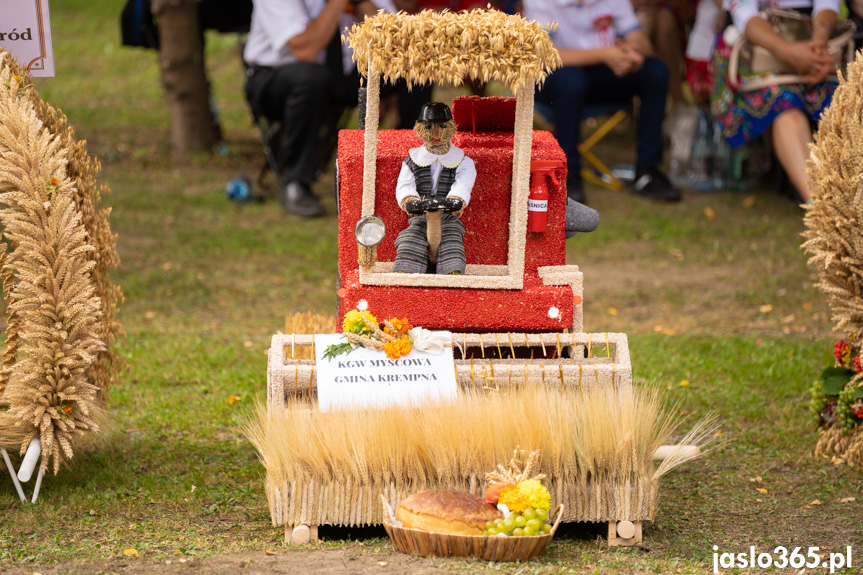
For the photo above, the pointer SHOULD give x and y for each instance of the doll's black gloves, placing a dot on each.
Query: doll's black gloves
(448, 205)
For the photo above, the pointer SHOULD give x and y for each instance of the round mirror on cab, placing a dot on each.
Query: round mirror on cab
(370, 230)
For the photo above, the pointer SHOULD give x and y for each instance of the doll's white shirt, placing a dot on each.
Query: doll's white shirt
(465, 173)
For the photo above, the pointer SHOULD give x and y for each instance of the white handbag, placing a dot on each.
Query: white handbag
(769, 70)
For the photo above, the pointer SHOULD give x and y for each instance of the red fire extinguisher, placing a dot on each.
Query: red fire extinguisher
(537, 202)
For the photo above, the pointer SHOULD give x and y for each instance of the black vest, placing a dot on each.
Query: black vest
(422, 175)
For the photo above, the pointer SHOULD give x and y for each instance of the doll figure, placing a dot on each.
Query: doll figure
(434, 188)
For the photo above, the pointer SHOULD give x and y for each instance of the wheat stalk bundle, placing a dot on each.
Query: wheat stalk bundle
(61, 307)
(834, 221)
(604, 438)
(835, 216)
(440, 47)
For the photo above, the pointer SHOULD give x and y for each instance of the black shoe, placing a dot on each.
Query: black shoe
(651, 183)
(575, 190)
(297, 198)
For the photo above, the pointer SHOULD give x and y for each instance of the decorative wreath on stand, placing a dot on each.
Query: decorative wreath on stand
(835, 242)
(57, 250)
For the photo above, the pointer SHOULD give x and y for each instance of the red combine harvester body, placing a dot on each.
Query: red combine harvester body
(542, 302)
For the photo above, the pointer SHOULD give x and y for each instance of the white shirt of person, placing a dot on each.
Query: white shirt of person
(275, 22)
(465, 173)
(584, 24)
(702, 37)
(743, 10)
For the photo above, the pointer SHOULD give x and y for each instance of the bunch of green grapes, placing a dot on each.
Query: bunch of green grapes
(818, 401)
(528, 522)
(844, 417)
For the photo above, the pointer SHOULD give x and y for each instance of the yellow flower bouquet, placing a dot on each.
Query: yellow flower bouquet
(361, 329)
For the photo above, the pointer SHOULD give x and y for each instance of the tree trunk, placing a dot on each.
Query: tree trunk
(181, 59)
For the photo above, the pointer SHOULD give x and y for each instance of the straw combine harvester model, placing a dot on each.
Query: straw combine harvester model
(515, 315)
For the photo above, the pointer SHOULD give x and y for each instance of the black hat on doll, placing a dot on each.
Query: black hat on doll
(435, 112)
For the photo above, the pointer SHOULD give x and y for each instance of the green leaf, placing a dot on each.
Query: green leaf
(337, 349)
(834, 379)
(858, 394)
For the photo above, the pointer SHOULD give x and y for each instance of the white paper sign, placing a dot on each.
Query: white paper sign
(367, 378)
(25, 32)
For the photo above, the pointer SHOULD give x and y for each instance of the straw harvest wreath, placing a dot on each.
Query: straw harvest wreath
(61, 308)
(834, 240)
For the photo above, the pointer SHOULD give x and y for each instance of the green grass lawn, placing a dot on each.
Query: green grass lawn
(705, 300)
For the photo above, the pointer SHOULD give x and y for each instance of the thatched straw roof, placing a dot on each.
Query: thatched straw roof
(485, 45)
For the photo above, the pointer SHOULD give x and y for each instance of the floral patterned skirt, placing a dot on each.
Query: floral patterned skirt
(745, 115)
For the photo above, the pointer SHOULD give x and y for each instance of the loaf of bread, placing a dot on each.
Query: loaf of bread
(444, 511)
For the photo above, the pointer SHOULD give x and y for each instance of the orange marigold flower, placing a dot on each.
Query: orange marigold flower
(396, 349)
(68, 409)
(401, 326)
(54, 181)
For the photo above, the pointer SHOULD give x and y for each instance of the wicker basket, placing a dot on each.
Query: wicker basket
(487, 548)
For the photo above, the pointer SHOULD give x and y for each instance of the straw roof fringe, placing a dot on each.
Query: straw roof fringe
(447, 47)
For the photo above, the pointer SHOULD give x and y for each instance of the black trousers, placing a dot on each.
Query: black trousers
(308, 99)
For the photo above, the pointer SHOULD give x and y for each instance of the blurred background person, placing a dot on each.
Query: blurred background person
(300, 75)
(786, 109)
(664, 22)
(855, 14)
(699, 49)
(607, 58)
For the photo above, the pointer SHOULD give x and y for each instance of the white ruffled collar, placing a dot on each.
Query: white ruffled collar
(451, 159)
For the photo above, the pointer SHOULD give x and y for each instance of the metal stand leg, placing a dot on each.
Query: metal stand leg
(14, 475)
(26, 471)
(37, 486)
